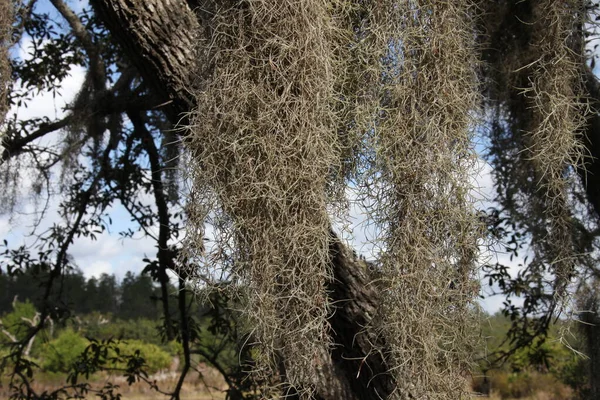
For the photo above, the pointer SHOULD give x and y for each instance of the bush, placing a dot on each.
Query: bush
(13, 321)
(528, 384)
(59, 354)
(140, 329)
(156, 358)
(174, 348)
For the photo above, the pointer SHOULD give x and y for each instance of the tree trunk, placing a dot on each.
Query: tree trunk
(158, 38)
(590, 327)
(590, 170)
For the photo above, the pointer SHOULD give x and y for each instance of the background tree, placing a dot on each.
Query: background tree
(137, 291)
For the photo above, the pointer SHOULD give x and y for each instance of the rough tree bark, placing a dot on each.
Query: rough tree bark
(158, 38)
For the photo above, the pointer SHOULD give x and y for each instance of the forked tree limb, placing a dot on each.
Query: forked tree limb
(158, 37)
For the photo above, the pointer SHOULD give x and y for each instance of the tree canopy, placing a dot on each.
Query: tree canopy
(235, 134)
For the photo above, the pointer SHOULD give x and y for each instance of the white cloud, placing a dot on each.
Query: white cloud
(112, 256)
(96, 269)
(46, 103)
(105, 247)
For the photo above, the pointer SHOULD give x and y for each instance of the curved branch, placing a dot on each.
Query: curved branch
(165, 255)
(14, 147)
(97, 68)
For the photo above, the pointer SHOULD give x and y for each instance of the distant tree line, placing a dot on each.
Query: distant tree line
(134, 297)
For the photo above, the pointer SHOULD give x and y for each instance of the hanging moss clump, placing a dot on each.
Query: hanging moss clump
(264, 136)
(6, 20)
(420, 186)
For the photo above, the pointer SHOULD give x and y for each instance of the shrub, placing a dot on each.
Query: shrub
(156, 358)
(528, 384)
(13, 321)
(59, 354)
(140, 329)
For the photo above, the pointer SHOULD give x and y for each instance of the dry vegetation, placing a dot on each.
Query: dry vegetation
(265, 138)
(291, 97)
(557, 119)
(205, 384)
(423, 157)
(6, 19)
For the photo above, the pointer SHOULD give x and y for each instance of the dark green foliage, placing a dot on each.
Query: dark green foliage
(138, 297)
(108, 299)
(104, 327)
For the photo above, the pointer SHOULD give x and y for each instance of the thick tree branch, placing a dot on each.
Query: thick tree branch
(105, 105)
(354, 301)
(159, 38)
